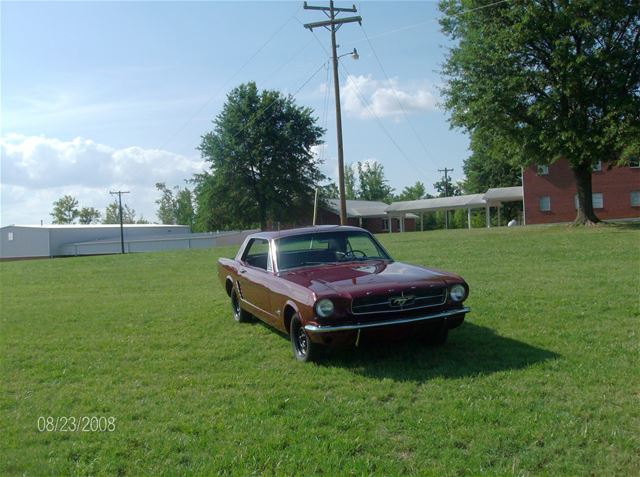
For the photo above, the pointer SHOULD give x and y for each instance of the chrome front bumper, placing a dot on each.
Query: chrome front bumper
(402, 321)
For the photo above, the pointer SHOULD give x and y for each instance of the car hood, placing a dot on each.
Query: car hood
(355, 278)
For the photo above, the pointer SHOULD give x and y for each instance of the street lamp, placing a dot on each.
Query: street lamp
(354, 54)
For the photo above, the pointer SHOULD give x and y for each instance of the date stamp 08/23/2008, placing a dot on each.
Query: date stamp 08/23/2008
(76, 424)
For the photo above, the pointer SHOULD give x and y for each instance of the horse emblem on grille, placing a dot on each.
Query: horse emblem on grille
(401, 300)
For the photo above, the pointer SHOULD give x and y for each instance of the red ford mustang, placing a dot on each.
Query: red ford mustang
(331, 284)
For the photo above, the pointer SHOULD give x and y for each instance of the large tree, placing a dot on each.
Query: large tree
(548, 79)
(373, 184)
(446, 188)
(261, 164)
(414, 192)
(350, 183)
(487, 167)
(166, 204)
(175, 208)
(112, 214)
(185, 212)
(89, 215)
(65, 210)
(329, 191)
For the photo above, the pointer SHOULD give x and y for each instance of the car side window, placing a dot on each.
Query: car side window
(257, 254)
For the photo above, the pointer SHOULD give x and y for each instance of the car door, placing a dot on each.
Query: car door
(255, 277)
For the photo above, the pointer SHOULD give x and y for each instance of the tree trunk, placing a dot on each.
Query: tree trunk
(585, 214)
(262, 211)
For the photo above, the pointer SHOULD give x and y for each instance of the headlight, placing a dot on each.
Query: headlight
(324, 308)
(457, 293)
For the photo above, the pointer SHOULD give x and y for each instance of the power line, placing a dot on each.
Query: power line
(395, 94)
(223, 87)
(260, 113)
(381, 124)
(325, 115)
(333, 24)
(368, 106)
(482, 7)
(293, 57)
(426, 22)
(373, 113)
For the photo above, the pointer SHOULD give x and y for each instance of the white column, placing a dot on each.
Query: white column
(469, 217)
(421, 222)
(488, 213)
(402, 223)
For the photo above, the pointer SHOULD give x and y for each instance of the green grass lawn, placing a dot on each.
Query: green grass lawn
(543, 377)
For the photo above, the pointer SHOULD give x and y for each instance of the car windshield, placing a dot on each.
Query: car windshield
(327, 247)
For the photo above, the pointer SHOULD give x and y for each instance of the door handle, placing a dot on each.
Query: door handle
(243, 271)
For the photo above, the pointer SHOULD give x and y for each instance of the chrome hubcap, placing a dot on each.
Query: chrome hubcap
(302, 341)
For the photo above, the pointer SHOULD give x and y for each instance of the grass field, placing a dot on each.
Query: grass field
(543, 377)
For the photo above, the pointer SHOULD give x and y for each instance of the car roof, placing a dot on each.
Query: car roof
(277, 234)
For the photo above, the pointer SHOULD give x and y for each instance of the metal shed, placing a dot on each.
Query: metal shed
(26, 241)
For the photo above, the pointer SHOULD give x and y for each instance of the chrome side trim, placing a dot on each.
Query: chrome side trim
(247, 302)
(359, 326)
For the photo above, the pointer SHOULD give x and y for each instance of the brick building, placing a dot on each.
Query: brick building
(550, 192)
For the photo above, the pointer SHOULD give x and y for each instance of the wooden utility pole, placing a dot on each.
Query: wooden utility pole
(446, 194)
(333, 24)
(119, 193)
(315, 206)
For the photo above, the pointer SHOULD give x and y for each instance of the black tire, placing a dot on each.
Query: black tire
(303, 348)
(239, 314)
(437, 335)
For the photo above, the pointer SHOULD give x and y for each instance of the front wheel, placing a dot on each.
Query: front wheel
(239, 314)
(303, 348)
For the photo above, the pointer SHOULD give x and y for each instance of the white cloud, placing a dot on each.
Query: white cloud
(367, 98)
(37, 170)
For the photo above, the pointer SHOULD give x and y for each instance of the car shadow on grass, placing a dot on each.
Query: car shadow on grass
(471, 350)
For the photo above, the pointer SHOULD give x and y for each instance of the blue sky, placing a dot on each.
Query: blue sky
(97, 96)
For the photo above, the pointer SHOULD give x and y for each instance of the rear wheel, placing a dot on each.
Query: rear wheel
(239, 314)
(303, 348)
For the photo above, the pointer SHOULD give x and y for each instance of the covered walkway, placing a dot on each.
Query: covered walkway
(492, 198)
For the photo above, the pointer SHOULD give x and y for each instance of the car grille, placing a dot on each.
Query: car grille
(395, 302)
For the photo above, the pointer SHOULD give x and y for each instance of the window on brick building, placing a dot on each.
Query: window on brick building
(543, 170)
(635, 198)
(545, 203)
(597, 167)
(596, 199)
(385, 225)
(634, 162)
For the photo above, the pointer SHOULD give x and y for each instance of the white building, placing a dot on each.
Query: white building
(27, 241)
